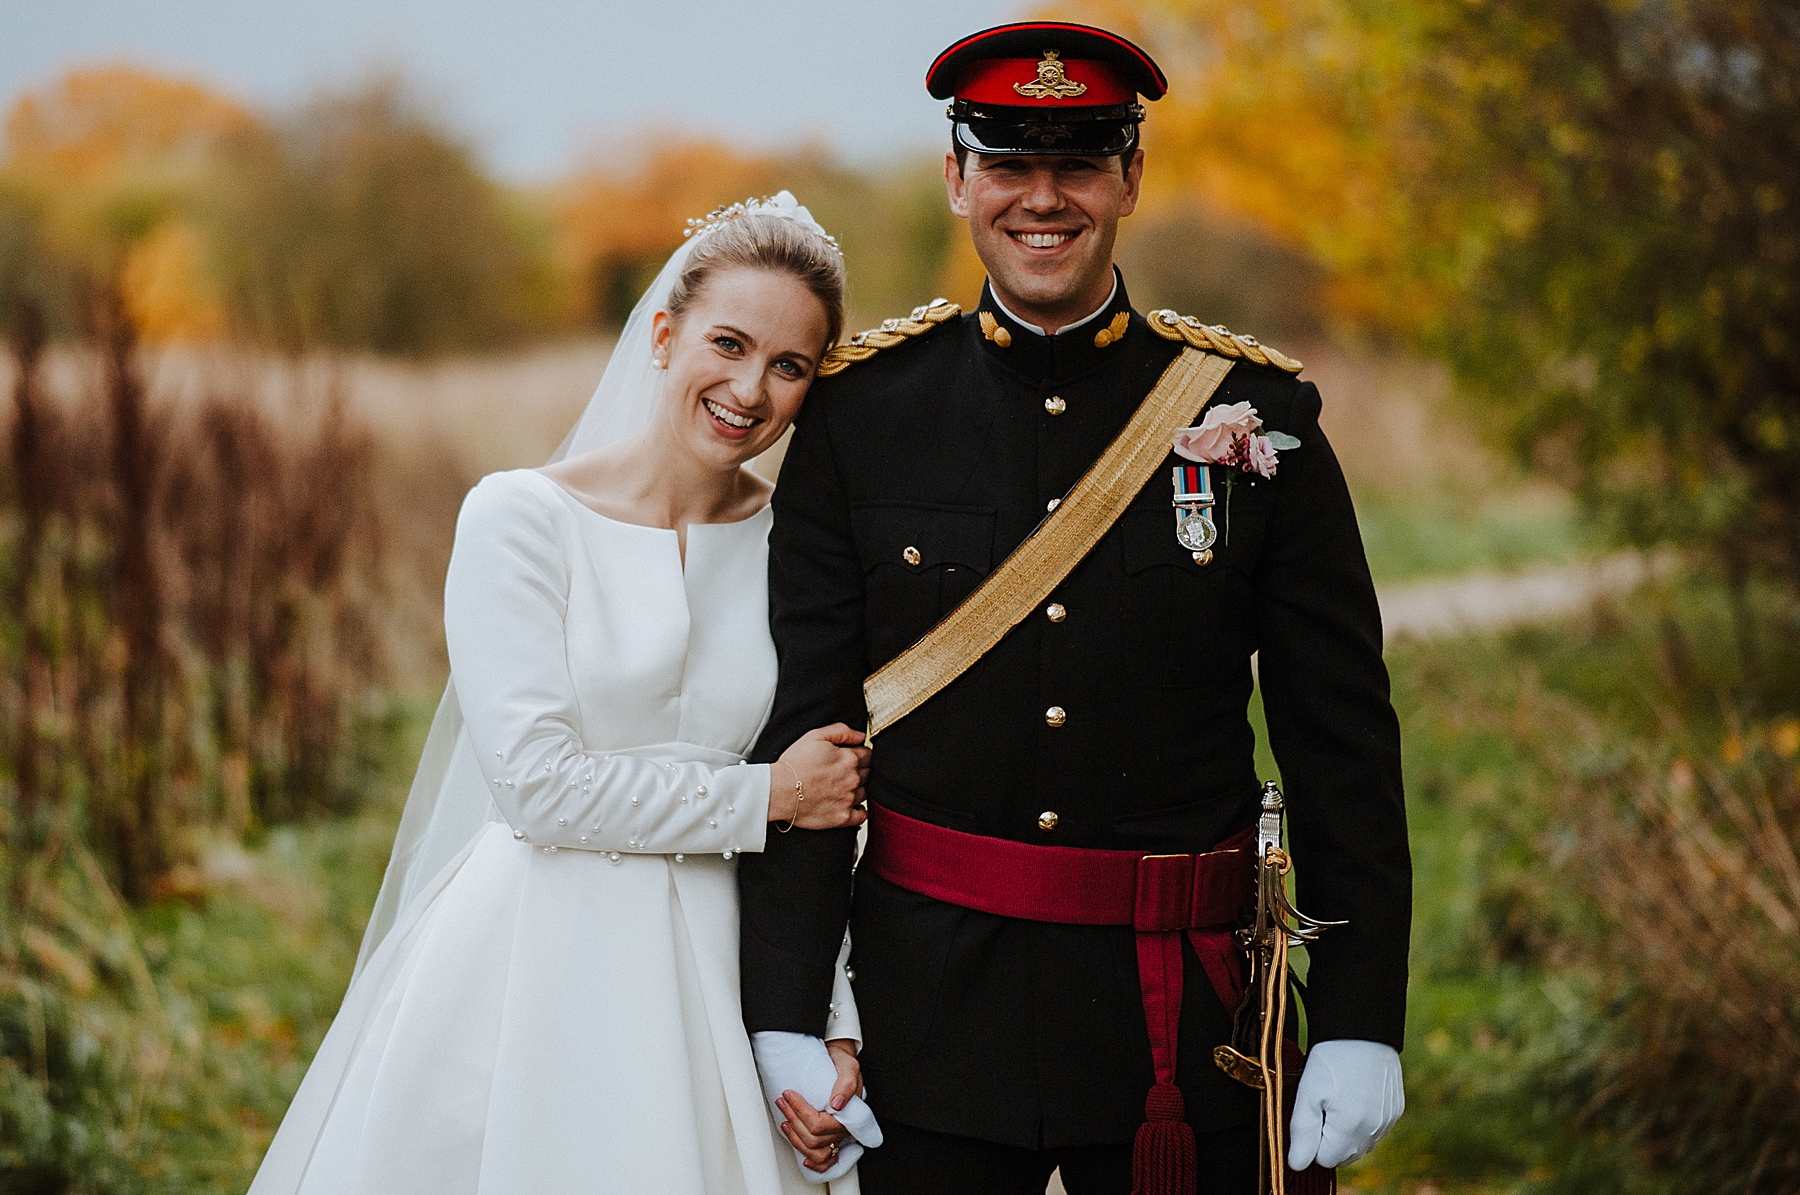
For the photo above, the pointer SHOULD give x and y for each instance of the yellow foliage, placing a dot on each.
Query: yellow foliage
(960, 277)
(112, 154)
(1258, 127)
(85, 126)
(166, 289)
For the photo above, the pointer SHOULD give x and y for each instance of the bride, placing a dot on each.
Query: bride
(547, 997)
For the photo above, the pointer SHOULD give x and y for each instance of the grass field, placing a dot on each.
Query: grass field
(258, 961)
(249, 963)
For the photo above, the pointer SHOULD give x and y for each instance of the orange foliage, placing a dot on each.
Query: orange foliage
(166, 289)
(88, 124)
(615, 220)
(962, 274)
(111, 148)
(1258, 126)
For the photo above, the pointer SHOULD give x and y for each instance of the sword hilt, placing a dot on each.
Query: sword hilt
(1268, 826)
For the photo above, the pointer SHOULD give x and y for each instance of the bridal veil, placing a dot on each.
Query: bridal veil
(449, 802)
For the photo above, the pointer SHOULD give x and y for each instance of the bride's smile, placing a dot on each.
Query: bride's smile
(730, 418)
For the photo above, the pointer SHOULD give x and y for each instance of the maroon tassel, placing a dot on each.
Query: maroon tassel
(1162, 1157)
(1314, 1180)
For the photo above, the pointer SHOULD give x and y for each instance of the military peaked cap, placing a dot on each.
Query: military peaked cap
(1045, 87)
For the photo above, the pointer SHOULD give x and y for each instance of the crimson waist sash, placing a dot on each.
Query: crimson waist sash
(1162, 897)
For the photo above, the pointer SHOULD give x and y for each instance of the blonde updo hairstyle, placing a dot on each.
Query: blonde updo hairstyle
(766, 243)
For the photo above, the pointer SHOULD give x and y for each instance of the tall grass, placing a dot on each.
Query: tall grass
(195, 597)
(1606, 958)
(1696, 892)
(190, 655)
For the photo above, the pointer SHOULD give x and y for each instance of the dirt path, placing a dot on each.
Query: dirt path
(1489, 601)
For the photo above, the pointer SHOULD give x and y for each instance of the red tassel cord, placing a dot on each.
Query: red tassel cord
(1162, 1156)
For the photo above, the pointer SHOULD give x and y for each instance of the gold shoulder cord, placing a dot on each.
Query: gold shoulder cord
(864, 345)
(1039, 564)
(1217, 338)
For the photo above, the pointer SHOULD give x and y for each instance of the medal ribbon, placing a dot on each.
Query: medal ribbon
(1192, 484)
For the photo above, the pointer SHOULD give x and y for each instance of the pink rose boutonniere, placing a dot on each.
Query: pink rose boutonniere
(1228, 436)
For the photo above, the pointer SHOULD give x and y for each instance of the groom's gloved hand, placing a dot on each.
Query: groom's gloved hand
(1350, 1095)
(802, 1064)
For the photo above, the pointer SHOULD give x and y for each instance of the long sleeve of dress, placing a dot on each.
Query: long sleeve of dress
(505, 599)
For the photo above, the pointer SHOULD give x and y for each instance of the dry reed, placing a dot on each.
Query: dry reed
(195, 593)
(1695, 880)
(189, 650)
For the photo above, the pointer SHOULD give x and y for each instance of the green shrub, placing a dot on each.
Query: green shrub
(1608, 981)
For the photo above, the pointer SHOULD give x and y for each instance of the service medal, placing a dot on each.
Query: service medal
(1196, 532)
(1193, 501)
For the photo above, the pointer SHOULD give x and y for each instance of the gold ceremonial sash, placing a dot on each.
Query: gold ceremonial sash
(1037, 566)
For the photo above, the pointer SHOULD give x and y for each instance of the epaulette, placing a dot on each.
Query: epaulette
(1217, 338)
(864, 345)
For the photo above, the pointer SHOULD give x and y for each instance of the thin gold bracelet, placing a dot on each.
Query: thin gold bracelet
(799, 796)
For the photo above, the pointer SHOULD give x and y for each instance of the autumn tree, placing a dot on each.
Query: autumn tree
(113, 156)
(621, 215)
(360, 222)
(1590, 208)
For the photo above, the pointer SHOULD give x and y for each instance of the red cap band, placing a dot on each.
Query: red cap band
(1025, 82)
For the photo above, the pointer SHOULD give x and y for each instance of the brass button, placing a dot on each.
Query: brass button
(1052, 504)
(1056, 715)
(1055, 612)
(911, 555)
(1047, 820)
(1055, 405)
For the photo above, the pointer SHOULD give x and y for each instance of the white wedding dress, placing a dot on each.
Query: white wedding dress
(557, 1011)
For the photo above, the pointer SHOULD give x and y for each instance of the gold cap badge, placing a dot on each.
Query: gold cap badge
(1051, 83)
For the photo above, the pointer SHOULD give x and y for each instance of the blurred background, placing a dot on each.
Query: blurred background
(277, 286)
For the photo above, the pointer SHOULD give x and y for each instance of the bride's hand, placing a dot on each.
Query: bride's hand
(831, 764)
(849, 1071)
(815, 1132)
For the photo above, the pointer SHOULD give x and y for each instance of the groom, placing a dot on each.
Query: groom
(999, 1047)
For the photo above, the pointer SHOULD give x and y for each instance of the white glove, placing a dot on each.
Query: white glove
(1350, 1096)
(800, 1063)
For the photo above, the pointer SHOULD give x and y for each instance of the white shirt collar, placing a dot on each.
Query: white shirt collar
(1087, 319)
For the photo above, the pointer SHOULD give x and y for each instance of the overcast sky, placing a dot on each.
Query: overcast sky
(540, 83)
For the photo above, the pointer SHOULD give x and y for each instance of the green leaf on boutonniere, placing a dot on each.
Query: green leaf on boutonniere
(1281, 441)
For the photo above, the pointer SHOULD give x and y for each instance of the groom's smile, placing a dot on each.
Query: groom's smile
(1042, 240)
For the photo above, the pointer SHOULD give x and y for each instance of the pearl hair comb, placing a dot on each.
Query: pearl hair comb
(782, 204)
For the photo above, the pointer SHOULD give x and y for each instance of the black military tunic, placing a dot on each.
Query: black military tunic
(1119, 707)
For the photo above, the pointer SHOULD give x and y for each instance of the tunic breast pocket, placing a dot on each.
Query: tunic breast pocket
(920, 559)
(1180, 619)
